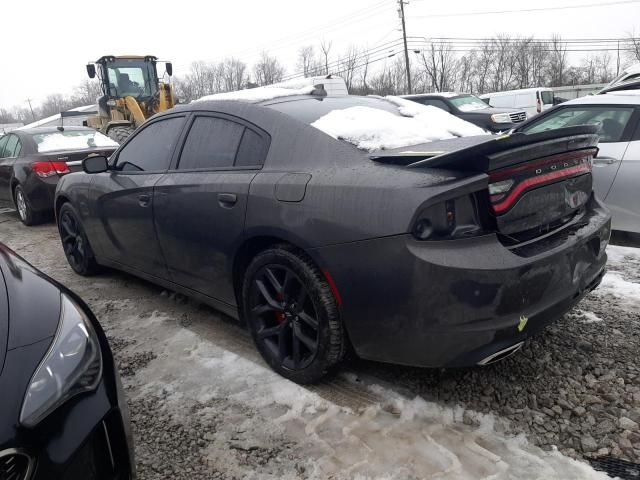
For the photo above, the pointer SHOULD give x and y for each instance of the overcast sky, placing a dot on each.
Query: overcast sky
(46, 44)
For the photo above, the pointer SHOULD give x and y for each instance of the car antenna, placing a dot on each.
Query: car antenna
(319, 91)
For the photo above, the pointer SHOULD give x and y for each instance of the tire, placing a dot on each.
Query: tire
(120, 134)
(75, 243)
(292, 315)
(25, 212)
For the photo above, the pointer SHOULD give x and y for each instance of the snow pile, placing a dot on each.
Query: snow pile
(374, 129)
(71, 140)
(269, 92)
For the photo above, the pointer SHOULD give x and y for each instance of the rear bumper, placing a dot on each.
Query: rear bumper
(454, 303)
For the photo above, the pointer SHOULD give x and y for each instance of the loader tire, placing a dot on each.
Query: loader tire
(120, 134)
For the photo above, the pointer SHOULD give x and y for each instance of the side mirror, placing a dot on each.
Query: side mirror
(95, 164)
(169, 68)
(91, 70)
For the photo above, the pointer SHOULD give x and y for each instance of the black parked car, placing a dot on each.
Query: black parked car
(472, 109)
(63, 413)
(448, 253)
(32, 160)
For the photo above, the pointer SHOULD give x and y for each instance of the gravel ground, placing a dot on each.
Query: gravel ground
(203, 405)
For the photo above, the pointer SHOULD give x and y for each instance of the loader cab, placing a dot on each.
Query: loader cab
(122, 77)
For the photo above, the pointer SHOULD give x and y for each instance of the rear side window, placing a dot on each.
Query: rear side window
(12, 145)
(151, 149)
(612, 120)
(212, 143)
(253, 149)
(3, 142)
(220, 143)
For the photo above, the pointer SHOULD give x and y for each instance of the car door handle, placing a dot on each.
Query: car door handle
(604, 160)
(144, 200)
(227, 199)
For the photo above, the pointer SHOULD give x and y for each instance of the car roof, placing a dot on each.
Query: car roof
(517, 91)
(436, 94)
(620, 97)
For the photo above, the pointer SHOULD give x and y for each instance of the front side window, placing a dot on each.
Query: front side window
(612, 120)
(212, 143)
(547, 97)
(151, 149)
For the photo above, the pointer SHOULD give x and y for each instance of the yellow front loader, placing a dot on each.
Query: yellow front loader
(131, 93)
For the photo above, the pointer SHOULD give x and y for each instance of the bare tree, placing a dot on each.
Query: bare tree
(308, 64)
(268, 70)
(348, 65)
(87, 92)
(558, 61)
(325, 46)
(439, 65)
(633, 46)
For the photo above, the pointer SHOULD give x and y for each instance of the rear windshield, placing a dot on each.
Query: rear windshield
(547, 97)
(309, 110)
(71, 140)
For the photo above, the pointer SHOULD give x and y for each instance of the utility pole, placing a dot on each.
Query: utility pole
(406, 52)
(31, 108)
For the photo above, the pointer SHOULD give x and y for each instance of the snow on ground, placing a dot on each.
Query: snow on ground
(616, 282)
(400, 438)
(374, 129)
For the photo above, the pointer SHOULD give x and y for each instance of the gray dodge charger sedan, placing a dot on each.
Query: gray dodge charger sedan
(440, 254)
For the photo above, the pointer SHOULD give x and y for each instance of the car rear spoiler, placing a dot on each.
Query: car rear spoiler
(484, 155)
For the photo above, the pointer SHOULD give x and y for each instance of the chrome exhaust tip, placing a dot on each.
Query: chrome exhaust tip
(501, 354)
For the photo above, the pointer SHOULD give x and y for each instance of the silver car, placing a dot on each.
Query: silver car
(616, 172)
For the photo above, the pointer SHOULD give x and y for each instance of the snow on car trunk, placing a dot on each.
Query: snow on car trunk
(373, 129)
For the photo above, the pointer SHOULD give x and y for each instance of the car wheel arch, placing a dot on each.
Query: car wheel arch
(253, 246)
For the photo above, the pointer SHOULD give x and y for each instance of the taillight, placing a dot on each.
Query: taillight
(46, 169)
(456, 218)
(507, 185)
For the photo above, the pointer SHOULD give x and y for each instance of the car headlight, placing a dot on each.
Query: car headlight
(501, 118)
(72, 365)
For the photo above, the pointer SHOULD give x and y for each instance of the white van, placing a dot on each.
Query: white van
(531, 100)
(628, 74)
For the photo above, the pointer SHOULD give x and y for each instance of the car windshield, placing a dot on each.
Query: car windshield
(129, 78)
(71, 140)
(468, 103)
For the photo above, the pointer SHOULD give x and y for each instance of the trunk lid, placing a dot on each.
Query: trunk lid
(536, 182)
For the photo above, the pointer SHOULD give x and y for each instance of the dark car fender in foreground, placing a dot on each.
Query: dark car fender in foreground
(87, 435)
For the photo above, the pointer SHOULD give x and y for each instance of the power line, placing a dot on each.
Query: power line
(540, 9)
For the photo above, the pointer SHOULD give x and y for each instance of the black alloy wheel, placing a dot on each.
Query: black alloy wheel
(292, 315)
(74, 242)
